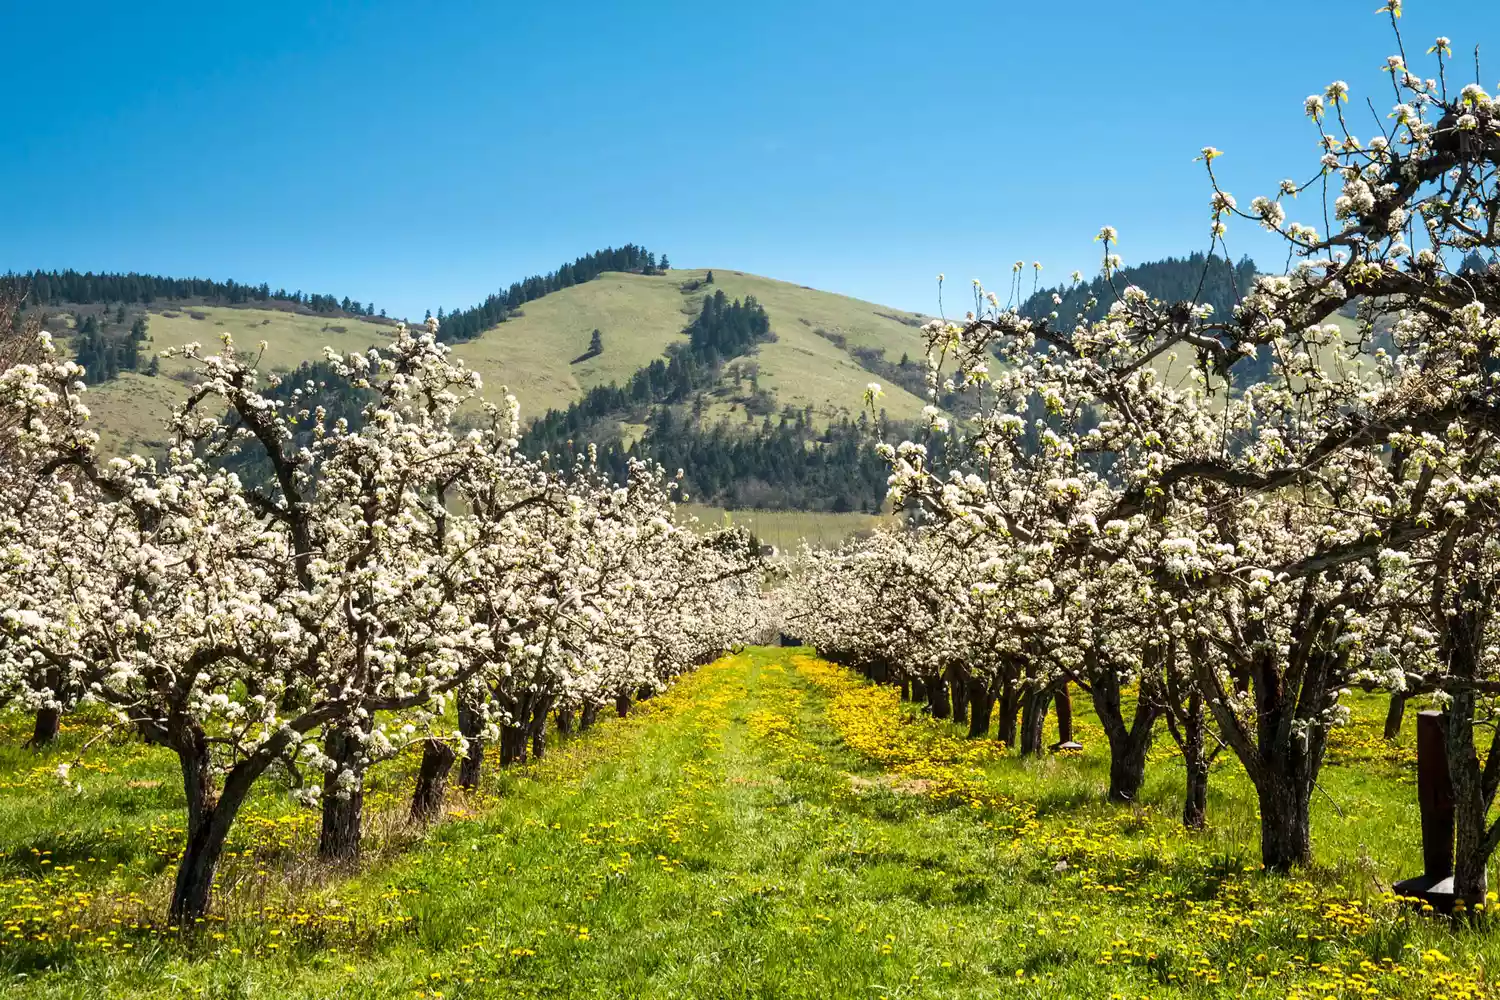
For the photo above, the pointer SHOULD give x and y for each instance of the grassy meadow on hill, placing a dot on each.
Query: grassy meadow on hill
(772, 826)
(539, 355)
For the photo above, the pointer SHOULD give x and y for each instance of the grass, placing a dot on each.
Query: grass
(771, 827)
(534, 354)
(788, 529)
(131, 412)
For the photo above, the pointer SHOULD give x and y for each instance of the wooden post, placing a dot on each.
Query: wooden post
(1435, 798)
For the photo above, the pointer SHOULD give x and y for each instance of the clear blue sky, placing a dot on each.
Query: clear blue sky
(424, 154)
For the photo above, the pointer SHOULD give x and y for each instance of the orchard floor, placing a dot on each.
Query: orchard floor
(772, 827)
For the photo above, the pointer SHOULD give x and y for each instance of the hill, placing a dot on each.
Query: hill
(540, 353)
(807, 373)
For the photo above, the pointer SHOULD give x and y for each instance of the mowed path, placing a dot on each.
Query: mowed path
(775, 827)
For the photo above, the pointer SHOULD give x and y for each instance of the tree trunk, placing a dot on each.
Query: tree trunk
(48, 724)
(541, 708)
(513, 740)
(981, 707)
(1128, 745)
(918, 689)
(1064, 703)
(193, 887)
(1009, 704)
(471, 726)
(564, 722)
(958, 692)
(937, 698)
(1474, 840)
(1285, 823)
(209, 820)
(622, 705)
(586, 716)
(432, 780)
(343, 795)
(1395, 713)
(905, 688)
(1195, 757)
(1033, 721)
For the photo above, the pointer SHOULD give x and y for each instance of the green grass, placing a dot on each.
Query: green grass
(788, 529)
(131, 412)
(772, 827)
(533, 354)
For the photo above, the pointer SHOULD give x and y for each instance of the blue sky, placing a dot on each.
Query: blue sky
(423, 154)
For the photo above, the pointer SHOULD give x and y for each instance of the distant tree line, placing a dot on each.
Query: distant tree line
(105, 355)
(1173, 279)
(723, 330)
(786, 464)
(466, 324)
(87, 288)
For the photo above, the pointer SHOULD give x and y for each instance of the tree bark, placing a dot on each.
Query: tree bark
(343, 795)
(1128, 745)
(1033, 721)
(46, 727)
(1064, 703)
(1009, 705)
(210, 817)
(1195, 757)
(1395, 713)
(586, 716)
(541, 708)
(958, 692)
(918, 689)
(981, 708)
(471, 726)
(432, 780)
(622, 705)
(513, 742)
(1285, 823)
(564, 722)
(937, 698)
(905, 688)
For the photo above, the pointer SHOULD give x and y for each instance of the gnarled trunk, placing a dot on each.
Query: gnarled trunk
(45, 728)
(1128, 745)
(958, 697)
(937, 698)
(564, 722)
(587, 715)
(1009, 705)
(541, 707)
(471, 727)
(343, 798)
(622, 705)
(432, 780)
(1033, 720)
(1285, 823)
(1394, 714)
(210, 817)
(981, 707)
(513, 744)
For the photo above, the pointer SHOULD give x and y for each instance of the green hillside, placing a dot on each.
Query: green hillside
(535, 354)
(640, 315)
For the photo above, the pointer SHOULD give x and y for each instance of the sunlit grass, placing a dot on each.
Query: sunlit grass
(771, 827)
